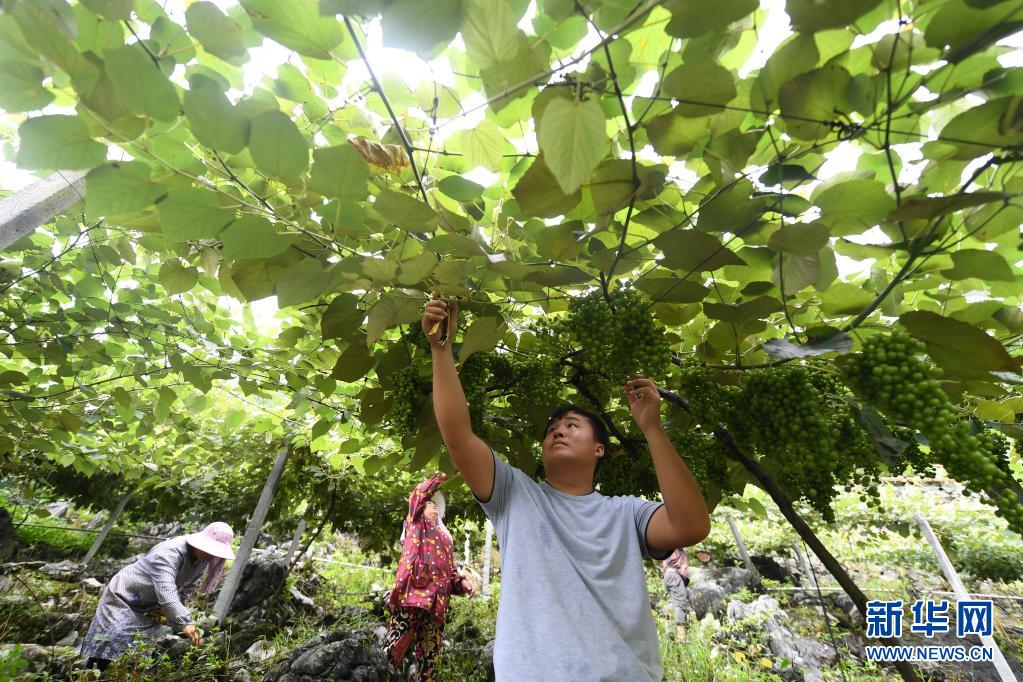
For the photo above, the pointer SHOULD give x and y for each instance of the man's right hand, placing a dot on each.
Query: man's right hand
(440, 319)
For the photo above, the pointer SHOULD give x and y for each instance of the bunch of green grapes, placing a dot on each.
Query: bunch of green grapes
(475, 376)
(891, 375)
(706, 457)
(710, 402)
(782, 415)
(540, 383)
(618, 337)
(625, 474)
(408, 391)
(912, 456)
(414, 338)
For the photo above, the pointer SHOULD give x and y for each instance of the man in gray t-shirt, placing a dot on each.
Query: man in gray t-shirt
(574, 603)
(573, 590)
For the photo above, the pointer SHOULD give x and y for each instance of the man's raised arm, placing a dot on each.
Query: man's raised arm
(471, 455)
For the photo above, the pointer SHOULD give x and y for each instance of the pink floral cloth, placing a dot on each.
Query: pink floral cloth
(427, 576)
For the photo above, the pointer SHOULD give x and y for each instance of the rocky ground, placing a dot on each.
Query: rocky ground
(46, 606)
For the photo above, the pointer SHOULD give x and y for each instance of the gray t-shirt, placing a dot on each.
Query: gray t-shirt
(574, 602)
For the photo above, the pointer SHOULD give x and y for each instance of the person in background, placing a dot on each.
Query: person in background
(676, 581)
(145, 594)
(427, 577)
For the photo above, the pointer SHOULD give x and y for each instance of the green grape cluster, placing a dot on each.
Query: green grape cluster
(706, 457)
(625, 474)
(408, 391)
(710, 402)
(540, 382)
(912, 456)
(618, 337)
(415, 338)
(779, 414)
(475, 376)
(891, 375)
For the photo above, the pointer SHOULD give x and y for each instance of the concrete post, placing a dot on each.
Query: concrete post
(234, 576)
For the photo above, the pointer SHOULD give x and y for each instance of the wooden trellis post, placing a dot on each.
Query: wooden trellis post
(1004, 671)
(487, 534)
(296, 538)
(234, 576)
(740, 544)
(109, 524)
(25, 210)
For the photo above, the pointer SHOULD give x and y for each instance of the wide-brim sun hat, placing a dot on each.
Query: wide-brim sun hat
(214, 539)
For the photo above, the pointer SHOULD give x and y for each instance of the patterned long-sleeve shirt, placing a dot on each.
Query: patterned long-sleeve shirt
(427, 575)
(162, 577)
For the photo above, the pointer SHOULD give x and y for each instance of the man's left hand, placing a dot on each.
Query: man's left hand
(644, 401)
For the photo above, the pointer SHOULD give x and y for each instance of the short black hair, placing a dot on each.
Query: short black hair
(596, 423)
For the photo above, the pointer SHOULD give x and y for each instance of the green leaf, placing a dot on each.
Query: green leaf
(809, 101)
(852, 206)
(405, 25)
(214, 121)
(808, 16)
(693, 250)
(405, 212)
(784, 173)
(219, 35)
(540, 195)
(391, 310)
(785, 349)
(958, 347)
(143, 87)
(757, 309)
(296, 24)
(342, 317)
(483, 146)
(115, 10)
(672, 289)
(460, 189)
(417, 268)
(701, 87)
(573, 140)
(58, 142)
(674, 134)
(353, 364)
(731, 210)
(490, 32)
(481, 336)
(253, 237)
(340, 172)
(41, 30)
(21, 87)
(692, 18)
(976, 131)
(967, 30)
(277, 146)
(120, 187)
(302, 282)
(986, 265)
(799, 239)
(177, 278)
(558, 242)
(845, 299)
(932, 207)
(797, 272)
(192, 213)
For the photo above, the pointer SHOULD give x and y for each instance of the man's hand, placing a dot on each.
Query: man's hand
(440, 319)
(645, 402)
(192, 631)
